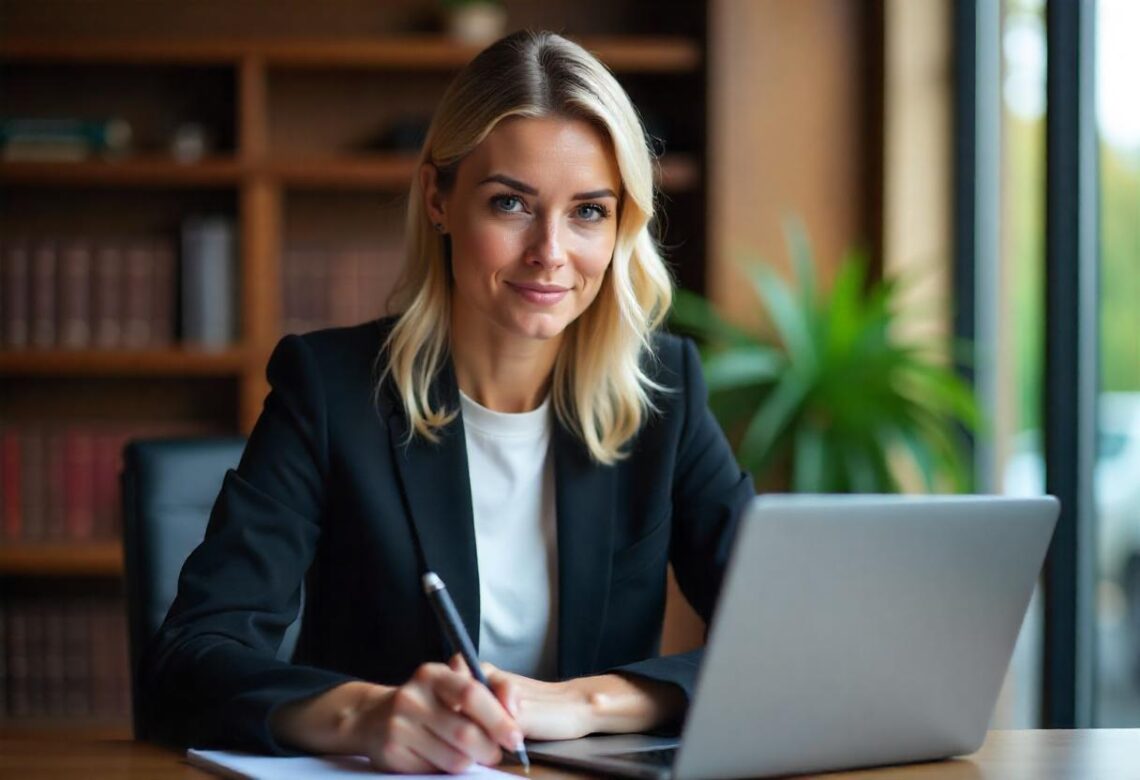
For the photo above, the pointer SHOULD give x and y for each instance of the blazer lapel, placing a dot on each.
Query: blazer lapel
(437, 490)
(584, 496)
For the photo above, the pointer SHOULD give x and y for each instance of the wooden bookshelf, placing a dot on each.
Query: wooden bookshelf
(134, 171)
(112, 363)
(629, 54)
(61, 559)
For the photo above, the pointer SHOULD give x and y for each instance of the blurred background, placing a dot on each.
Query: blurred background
(185, 182)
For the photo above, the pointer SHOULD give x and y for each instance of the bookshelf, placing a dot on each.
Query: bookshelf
(298, 164)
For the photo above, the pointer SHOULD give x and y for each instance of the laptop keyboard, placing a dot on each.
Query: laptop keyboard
(657, 757)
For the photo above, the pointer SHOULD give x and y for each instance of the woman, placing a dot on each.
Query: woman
(521, 429)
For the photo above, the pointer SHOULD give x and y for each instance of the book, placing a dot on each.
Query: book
(107, 297)
(15, 273)
(42, 308)
(74, 325)
(209, 282)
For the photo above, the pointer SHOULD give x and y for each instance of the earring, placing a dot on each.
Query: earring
(438, 227)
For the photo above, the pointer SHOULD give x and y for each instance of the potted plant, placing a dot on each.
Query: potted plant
(837, 401)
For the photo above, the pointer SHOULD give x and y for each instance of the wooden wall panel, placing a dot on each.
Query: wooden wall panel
(793, 111)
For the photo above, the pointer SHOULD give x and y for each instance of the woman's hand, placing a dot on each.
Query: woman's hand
(440, 720)
(611, 703)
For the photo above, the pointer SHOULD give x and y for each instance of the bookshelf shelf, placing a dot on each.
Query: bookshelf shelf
(382, 171)
(71, 559)
(628, 54)
(678, 172)
(92, 363)
(131, 171)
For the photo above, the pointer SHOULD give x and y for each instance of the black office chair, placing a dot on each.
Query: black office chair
(169, 488)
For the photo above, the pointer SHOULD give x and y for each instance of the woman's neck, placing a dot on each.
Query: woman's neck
(502, 372)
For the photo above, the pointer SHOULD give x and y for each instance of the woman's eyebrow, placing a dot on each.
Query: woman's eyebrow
(529, 190)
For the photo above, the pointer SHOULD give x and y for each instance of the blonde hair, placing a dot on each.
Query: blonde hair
(600, 391)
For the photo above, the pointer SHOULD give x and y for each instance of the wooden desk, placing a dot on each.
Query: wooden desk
(1100, 754)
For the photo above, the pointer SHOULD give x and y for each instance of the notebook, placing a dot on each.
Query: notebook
(247, 766)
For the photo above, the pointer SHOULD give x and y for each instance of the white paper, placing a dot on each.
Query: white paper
(254, 767)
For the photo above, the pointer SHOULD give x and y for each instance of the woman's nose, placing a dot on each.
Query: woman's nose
(547, 247)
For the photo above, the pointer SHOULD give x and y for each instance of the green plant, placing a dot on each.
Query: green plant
(837, 396)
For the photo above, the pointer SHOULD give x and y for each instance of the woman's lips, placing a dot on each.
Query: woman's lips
(541, 294)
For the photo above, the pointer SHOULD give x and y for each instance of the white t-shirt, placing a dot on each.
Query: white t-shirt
(511, 468)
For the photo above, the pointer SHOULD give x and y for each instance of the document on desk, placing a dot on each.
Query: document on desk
(247, 766)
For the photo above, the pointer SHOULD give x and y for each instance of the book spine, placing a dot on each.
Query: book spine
(32, 460)
(16, 282)
(53, 679)
(55, 485)
(107, 298)
(139, 270)
(77, 658)
(79, 491)
(162, 310)
(11, 471)
(44, 281)
(208, 283)
(75, 295)
(19, 696)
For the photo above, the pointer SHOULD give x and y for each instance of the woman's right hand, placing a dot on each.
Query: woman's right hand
(439, 720)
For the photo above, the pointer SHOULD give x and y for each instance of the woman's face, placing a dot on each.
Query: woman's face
(532, 216)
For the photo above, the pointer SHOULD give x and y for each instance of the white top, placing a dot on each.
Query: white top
(511, 467)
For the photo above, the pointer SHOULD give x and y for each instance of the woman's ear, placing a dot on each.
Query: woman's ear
(433, 197)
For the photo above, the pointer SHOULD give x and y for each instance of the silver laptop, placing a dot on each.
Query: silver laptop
(851, 631)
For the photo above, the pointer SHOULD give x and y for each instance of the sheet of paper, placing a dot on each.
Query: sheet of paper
(253, 767)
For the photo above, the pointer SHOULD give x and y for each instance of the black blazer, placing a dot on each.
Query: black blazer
(329, 492)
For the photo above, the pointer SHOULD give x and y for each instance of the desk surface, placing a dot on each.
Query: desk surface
(1099, 754)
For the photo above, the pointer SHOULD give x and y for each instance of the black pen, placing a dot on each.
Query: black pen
(453, 627)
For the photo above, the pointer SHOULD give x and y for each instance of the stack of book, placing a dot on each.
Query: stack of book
(60, 482)
(62, 139)
(64, 657)
(329, 285)
(78, 294)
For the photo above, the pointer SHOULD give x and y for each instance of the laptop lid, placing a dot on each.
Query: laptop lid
(862, 630)
(851, 631)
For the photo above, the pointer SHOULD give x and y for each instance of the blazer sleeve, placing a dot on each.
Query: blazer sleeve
(710, 492)
(210, 676)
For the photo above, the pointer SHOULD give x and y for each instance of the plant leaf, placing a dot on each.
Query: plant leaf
(743, 366)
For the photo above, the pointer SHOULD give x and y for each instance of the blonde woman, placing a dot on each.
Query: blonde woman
(521, 428)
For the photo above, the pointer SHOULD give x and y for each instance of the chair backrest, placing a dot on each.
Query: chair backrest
(169, 488)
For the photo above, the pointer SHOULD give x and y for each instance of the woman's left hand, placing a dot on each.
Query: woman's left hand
(610, 703)
(544, 710)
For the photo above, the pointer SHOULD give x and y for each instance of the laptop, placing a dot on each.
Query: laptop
(851, 631)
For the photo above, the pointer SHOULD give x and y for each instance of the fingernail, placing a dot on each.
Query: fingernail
(516, 740)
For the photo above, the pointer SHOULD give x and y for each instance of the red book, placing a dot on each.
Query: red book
(15, 281)
(32, 460)
(75, 295)
(107, 297)
(10, 474)
(79, 468)
(44, 281)
(55, 485)
(139, 297)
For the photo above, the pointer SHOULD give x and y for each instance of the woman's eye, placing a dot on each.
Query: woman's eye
(507, 203)
(593, 212)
